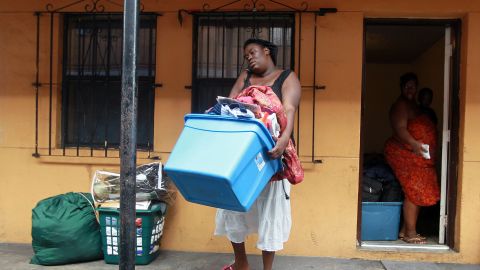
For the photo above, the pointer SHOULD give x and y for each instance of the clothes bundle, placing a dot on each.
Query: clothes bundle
(262, 103)
(245, 108)
(65, 230)
(378, 181)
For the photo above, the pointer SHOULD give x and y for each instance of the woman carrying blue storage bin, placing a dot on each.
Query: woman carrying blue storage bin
(270, 215)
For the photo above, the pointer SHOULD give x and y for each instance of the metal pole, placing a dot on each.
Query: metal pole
(299, 74)
(128, 135)
(314, 85)
(50, 88)
(37, 83)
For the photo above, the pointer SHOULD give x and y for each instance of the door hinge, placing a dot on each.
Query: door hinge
(445, 220)
(449, 49)
(446, 134)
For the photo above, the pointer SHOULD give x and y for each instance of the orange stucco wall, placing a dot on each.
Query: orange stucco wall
(324, 206)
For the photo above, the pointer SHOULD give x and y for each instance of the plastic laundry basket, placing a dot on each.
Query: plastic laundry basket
(149, 229)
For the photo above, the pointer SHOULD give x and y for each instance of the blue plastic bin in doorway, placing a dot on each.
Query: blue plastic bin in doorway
(380, 221)
(222, 161)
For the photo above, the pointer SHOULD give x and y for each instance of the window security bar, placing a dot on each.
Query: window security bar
(87, 94)
(214, 74)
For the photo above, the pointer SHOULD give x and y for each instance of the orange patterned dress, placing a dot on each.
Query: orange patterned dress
(416, 174)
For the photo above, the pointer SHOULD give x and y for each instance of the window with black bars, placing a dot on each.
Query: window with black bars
(218, 49)
(92, 74)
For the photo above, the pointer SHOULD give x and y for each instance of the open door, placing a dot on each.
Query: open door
(449, 158)
(452, 155)
(445, 135)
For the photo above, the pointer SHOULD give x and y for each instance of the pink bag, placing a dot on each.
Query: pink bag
(269, 102)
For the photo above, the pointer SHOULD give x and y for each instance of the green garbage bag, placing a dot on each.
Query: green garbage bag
(65, 230)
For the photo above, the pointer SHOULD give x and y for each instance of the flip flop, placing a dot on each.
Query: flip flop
(414, 240)
(228, 267)
(401, 236)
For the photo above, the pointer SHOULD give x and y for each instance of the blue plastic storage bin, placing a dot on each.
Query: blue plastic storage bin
(222, 161)
(380, 221)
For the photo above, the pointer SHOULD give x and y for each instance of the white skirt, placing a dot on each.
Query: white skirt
(269, 217)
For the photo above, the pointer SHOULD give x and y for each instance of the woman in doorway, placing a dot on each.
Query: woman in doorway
(270, 215)
(411, 154)
(425, 98)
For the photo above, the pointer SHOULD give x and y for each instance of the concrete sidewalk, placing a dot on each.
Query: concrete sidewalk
(17, 257)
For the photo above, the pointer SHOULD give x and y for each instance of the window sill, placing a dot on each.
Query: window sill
(113, 159)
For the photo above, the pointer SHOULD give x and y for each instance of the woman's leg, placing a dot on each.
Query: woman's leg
(410, 214)
(401, 234)
(267, 257)
(241, 262)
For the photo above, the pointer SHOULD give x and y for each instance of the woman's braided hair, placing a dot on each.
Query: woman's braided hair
(266, 44)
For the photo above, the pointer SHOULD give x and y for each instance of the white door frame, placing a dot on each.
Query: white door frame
(445, 136)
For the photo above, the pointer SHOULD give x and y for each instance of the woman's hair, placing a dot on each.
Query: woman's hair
(409, 76)
(265, 44)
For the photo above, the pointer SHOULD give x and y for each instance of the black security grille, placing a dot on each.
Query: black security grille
(218, 49)
(92, 62)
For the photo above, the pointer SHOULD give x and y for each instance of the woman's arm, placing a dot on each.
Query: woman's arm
(291, 92)
(238, 86)
(399, 121)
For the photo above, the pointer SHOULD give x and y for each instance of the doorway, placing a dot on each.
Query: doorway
(429, 48)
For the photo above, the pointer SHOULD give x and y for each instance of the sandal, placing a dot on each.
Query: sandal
(401, 236)
(228, 267)
(419, 240)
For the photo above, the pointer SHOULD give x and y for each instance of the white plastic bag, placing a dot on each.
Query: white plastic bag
(150, 185)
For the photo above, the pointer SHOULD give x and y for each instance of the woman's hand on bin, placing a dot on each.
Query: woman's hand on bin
(279, 148)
